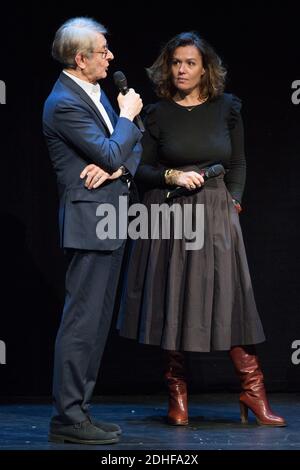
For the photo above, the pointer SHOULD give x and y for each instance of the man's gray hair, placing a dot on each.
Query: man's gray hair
(76, 35)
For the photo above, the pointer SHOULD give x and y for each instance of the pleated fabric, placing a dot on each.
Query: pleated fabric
(192, 300)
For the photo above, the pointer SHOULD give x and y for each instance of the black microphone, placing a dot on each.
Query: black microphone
(206, 173)
(121, 83)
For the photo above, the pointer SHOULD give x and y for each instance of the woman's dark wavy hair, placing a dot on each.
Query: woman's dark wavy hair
(212, 82)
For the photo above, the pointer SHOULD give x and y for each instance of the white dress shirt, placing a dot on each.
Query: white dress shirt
(94, 92)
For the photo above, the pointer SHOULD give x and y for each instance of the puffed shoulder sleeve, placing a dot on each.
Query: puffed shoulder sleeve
(235, 111)
(150, 121)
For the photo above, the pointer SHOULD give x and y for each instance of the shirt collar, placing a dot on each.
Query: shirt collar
(91, 89)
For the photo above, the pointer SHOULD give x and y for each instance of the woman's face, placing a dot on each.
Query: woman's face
(187, 68)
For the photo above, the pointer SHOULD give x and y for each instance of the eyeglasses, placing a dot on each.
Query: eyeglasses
(104, 53)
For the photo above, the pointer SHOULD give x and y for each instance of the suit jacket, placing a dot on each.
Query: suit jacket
(76, 135)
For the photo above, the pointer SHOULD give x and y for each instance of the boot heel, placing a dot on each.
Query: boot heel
(244, 413)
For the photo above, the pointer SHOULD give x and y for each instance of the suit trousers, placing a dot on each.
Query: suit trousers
(91, 284)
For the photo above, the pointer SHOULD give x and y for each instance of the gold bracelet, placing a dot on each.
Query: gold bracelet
(171, 176)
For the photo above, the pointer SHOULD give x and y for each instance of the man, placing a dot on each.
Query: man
(91, 149)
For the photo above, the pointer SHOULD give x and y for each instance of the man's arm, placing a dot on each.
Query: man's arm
(78, 127)
(95, 176)
(132, 162)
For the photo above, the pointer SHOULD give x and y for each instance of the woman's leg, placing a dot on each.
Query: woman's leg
(253, 395)
(175, 376)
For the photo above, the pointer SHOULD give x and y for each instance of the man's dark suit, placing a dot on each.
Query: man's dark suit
(77, 135)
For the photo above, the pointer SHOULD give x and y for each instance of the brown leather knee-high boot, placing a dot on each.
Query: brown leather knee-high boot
(175, 376)
(253, 395)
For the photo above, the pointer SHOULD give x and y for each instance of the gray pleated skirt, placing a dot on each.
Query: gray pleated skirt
(192, 300)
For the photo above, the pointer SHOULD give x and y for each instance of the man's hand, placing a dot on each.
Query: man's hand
(116, 175)
(95, 176)
(130, 104)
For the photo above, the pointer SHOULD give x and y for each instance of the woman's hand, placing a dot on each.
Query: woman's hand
(187, 179)
(237, 205)
(95, 176)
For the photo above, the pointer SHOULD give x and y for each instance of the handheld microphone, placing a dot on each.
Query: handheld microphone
(121, 83)
(206, 173)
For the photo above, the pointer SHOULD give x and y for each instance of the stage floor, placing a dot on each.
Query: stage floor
(214, 425)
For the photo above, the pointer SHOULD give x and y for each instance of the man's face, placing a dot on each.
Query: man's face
(97, 63)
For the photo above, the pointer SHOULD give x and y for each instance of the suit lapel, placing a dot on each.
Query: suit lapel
(67, 81)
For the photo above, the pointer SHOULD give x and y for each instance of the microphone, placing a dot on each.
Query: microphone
(121, 83)
(206, 173)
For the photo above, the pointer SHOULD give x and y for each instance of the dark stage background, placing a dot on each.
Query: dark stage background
(260, 46)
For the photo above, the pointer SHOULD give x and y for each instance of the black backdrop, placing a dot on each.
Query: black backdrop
(260, 46)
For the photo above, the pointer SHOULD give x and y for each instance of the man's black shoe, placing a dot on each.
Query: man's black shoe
(107, 427)
(81, 433)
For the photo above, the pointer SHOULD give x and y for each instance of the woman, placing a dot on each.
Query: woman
(195, 300)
